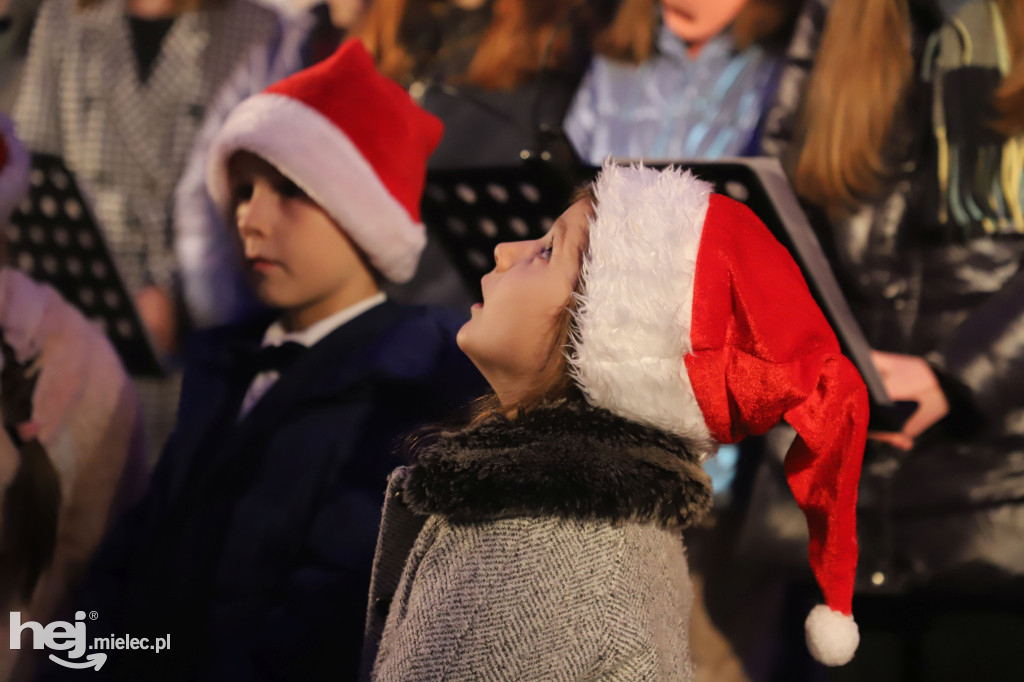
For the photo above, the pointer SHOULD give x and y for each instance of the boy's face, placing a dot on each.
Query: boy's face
(296, 256)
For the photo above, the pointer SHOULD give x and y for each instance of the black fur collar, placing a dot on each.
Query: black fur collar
(573, 461)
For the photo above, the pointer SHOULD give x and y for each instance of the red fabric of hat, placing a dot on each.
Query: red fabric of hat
(762, 351)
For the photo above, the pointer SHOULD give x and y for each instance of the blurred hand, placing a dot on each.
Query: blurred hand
(908, 377)
(157, 312)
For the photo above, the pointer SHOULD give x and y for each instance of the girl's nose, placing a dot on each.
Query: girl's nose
(507, 253)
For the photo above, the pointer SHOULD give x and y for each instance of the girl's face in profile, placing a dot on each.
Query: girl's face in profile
(511, 335)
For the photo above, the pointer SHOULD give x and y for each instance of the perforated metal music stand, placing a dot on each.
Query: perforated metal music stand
(471, 211)
(54, 238)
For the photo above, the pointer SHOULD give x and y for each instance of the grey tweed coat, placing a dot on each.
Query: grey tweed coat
(544, 548)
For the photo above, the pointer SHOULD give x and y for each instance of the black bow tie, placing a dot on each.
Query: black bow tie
(275, 358)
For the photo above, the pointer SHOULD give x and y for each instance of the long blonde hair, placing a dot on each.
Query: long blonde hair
(856, 92)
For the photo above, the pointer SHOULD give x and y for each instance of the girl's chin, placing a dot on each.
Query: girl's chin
(460, 337)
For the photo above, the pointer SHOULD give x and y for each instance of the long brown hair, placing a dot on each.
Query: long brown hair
(1009, 99)
(632, 33)
(31, 504)
(866, 46)
(508, 53)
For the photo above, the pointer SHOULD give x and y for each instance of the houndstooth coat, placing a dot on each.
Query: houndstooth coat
(127, 141)
(544, 548)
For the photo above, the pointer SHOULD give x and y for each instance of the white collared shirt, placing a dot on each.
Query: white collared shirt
(276, 335)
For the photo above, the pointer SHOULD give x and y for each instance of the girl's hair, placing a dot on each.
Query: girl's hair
(509, 52)
(632, 34)
(855, 94)
(31, 504)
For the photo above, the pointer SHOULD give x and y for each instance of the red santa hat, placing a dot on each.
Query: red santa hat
(353, 140)
(14, 165)
(695, 320)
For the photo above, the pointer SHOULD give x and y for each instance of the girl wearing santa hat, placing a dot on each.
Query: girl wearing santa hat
(543, 540)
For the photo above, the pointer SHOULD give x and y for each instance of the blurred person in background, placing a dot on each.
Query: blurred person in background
(679, 79)
(16, 20)
(907, 138)
(500, 74)
(495, 71)
(71, 448)
(118, 89)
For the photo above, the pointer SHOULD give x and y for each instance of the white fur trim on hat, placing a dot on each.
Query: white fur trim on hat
(633, 318)
(316, 155)
(832, 637)
(14, 174)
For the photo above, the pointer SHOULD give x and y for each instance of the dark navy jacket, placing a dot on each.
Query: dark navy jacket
(254, 545)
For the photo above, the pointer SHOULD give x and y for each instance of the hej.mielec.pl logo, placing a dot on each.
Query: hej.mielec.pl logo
(70, 637)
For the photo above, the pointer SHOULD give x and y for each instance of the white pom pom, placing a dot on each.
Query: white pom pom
(832, 638)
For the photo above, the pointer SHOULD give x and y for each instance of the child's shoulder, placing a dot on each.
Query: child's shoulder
(419, 330)
(443, 320)
(420, 344)
(218, 343)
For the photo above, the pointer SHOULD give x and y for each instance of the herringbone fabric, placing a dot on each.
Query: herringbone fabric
(540, 599)
(543, 548)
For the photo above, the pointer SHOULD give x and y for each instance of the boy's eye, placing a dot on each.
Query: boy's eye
(241, 192)
(289, 190)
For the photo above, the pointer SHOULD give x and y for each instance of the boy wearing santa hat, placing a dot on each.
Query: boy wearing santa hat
(253, 548)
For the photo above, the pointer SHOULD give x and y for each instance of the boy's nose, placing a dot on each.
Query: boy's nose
(255, 214)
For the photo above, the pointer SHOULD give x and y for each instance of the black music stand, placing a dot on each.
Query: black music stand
(54, 238)
(471, 211)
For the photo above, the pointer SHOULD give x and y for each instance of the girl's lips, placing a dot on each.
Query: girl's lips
(476, 306)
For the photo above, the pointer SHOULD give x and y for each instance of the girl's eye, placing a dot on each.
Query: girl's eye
(545, 252)
(289, 190)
